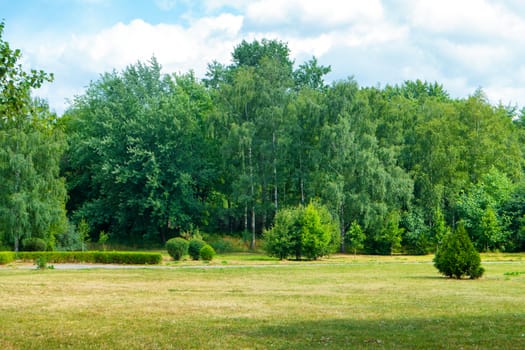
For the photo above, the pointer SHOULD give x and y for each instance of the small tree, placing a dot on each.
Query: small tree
(177, 247)
(456, 256)
(302, 232)
(102, 239)
(83, 233)
(279, 240)
(355, 237)
(392, 233)
(490, 230)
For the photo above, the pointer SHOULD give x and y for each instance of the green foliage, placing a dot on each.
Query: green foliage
(138, 258)
(355, 237)
(392, 233)
(83, 233)
(207, 252)
(177, 247)
(133, 138)
(153, 156)
(283, 239)
(103, 237)
(41, 262)
(457, 257)
(34, 244)
(302, 232)
(32, 195)
(194, 248)
(6, 257)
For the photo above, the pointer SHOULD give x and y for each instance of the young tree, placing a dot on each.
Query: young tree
(302, 232)
(355, 237)
(392, 233)
(457, 257)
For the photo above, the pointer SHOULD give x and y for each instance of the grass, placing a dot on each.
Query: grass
(339, 303)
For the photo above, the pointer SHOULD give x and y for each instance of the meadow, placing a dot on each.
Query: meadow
(244, 301)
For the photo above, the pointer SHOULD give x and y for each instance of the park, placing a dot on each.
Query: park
(250, 301)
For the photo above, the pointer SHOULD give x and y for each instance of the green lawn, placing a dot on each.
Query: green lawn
(338, 303)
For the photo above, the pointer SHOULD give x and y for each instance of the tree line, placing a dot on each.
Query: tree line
(145, 156)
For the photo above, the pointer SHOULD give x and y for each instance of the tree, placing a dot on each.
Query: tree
(355, 237)
(301, 232)
(392, 233)
(142, 162)
(32, 195)
(457, 257)
(83, 233)
(491, 233)
(359, 179)
(252, 95)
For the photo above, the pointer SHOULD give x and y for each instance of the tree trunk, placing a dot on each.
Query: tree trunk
(275, 190)
(343, 229)
(252, 192)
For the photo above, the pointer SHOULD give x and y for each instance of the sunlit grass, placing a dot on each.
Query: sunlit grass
(344, 302)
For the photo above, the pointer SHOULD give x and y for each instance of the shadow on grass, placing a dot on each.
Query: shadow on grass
(495, 332)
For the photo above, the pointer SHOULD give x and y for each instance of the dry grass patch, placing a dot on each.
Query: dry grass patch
(384, 303)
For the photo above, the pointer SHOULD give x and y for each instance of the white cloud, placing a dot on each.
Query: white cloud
(461, 44)
(486, 19)
(166, 5)
(177, 48)
(477, 57)
(328, 12)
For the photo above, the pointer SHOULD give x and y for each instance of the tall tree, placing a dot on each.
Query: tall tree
(32, 195)
(139, 145)
(362, 181)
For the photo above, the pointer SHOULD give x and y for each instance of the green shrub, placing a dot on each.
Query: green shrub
(177, 247)
(456, 256)
(207, 252)
(137, 258)
(308, 232)
(41, 262)
(34, 244)
(6, 257)
(222, 245)
(194, 249)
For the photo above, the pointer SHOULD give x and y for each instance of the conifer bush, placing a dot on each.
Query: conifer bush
(456, 256)
(177, 247)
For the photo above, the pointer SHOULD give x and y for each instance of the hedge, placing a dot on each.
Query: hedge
(138, 258)
(6, 257)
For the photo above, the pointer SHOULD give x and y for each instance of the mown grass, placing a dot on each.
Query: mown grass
(361, 303)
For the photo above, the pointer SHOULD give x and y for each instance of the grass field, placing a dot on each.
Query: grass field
(238, 303)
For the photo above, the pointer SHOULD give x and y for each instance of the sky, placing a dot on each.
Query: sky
(462, 44)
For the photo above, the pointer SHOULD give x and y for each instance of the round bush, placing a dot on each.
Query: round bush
(194, 249)
(207, 252)
(177, 247)
(33, 244)
(456, 256)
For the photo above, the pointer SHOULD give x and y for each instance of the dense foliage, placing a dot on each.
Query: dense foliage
(456, 256)
(194, 248)
(150, 156)
(32, 196)
(177, 247)
(136, 258)
(34, 244)
(308, 232)
(207, 253)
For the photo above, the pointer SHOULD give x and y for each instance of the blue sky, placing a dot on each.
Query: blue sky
(462, 44)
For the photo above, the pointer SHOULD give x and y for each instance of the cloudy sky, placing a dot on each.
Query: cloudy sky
(462, 44)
